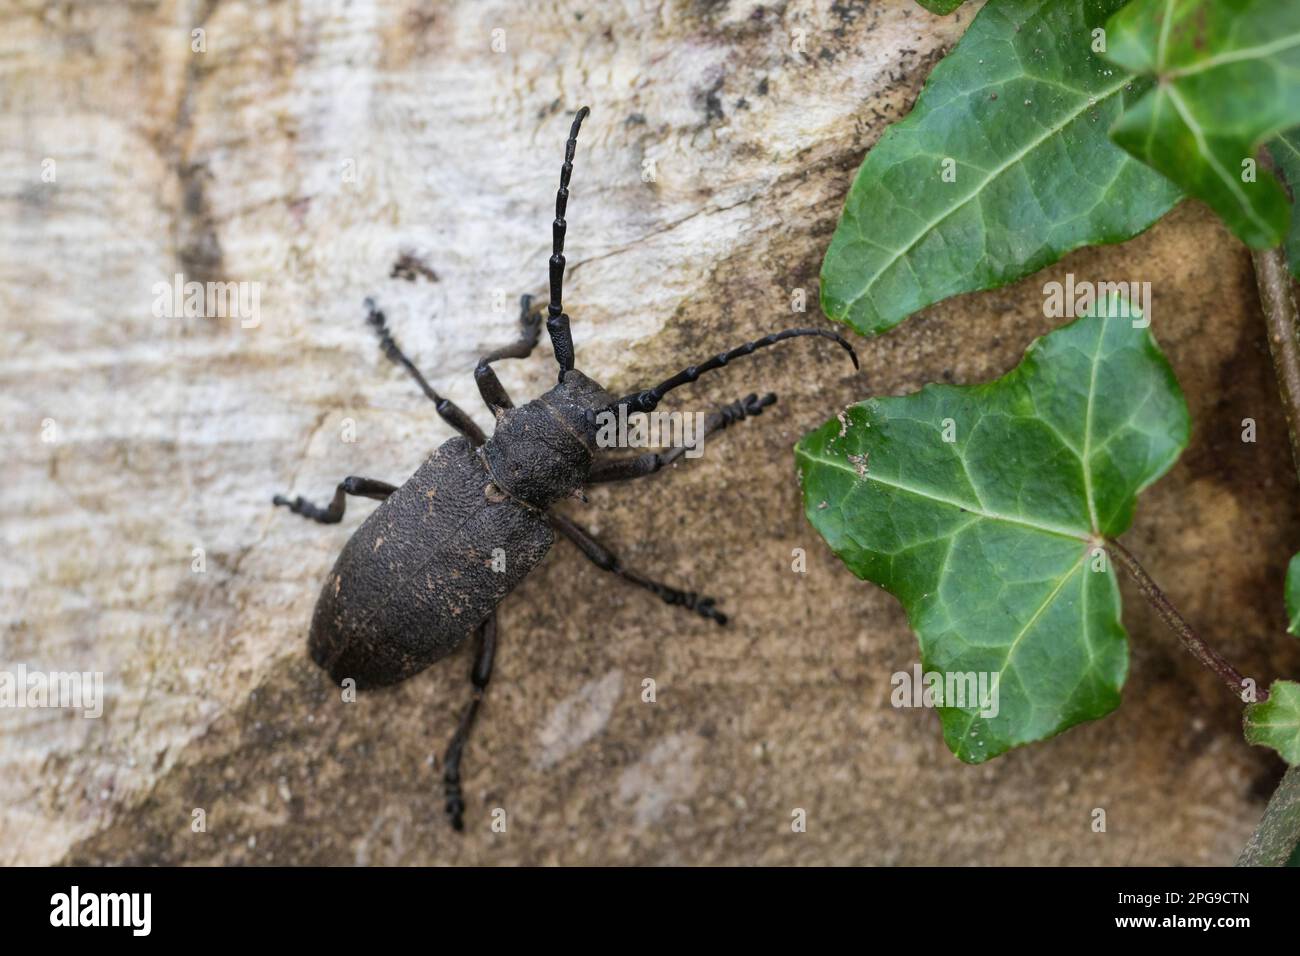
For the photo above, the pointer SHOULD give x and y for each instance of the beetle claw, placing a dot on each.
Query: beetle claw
(456, 811)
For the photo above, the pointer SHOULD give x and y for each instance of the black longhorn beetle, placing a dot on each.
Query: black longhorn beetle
(422, 573)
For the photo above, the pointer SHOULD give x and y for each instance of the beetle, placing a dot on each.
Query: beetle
(428, 568)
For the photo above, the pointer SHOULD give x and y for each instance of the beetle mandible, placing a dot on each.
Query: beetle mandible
(420, 575)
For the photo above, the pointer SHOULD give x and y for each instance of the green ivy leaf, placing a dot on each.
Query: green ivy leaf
(1285, 151)
(1293, 595)
(983, 508)
(1021, 108)
(1276, 722)
(1229, 80)
(941, 7)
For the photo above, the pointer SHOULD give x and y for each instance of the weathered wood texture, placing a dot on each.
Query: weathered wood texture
(307, 149)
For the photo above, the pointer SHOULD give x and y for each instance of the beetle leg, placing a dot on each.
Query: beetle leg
(447, 410)
(479, 676)
(489, 386)
(625, 469)
(606, 560)
(357, 487)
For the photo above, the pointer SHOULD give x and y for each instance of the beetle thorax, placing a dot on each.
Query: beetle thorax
(542, 451)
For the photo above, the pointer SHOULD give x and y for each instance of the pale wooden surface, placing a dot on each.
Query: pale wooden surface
(175, 433)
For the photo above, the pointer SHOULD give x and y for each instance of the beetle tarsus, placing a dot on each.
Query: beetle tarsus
(455, 805)
(333, 514)
(301, 506)
(703, 606)
(479, 676)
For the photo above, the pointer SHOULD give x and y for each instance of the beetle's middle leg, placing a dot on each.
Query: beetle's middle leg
(357, 487)
(489, 386)
(606, 560)
(479, 675)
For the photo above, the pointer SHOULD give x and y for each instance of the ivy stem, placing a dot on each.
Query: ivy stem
(1278, 302)
(1274, 840)
(1202, 651)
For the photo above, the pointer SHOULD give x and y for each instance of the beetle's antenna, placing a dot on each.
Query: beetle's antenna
(557, 323)
(645, 401)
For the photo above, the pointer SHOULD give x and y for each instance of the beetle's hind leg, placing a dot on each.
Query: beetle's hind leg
(489, 386)
(357, 487)
(479, 676)
(606, 560)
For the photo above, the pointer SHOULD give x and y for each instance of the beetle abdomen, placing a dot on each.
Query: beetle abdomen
(423, 571)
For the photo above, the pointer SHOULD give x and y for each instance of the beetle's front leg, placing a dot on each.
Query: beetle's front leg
(625, 469)
(352, 485)
(447, 410)
(479, 676)
(489, 386)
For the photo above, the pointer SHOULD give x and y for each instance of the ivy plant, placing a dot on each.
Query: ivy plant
(941, 7)
(1275, 722)
(1003, 166)
(1285, 152)
(986, 510)
(993, 511)
(1228, 81)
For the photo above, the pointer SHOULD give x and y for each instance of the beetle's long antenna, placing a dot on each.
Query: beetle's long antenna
(557, 323)
(645, 401)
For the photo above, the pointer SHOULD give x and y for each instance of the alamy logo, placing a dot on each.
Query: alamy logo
(21, 688)
(651, 430)
(103, 909)
(1111, 300)
(967, 689)
(208, 300)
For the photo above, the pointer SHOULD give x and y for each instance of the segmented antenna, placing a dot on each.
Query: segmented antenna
(557, 323)
(646, 400)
